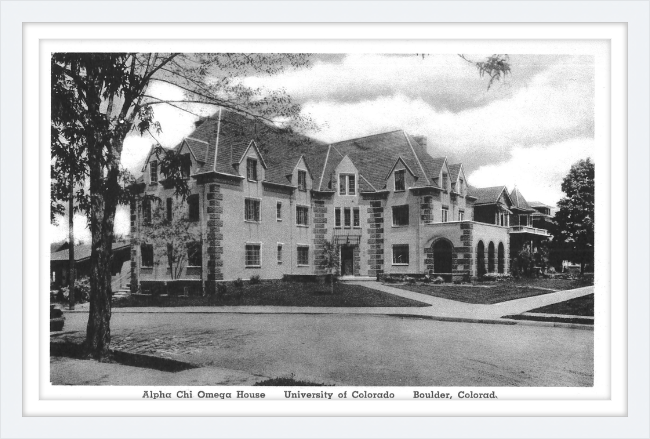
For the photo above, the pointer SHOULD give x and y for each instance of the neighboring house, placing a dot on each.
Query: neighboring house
(542, 218)
(264, 206)
(495, 205)
(60, 263)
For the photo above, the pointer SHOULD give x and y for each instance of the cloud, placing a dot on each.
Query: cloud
(537, 170)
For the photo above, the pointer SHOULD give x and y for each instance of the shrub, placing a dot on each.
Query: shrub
(496, 276)
(255, 279)
(82, 291)
(438, 280)
(239, 283)
(222, 289)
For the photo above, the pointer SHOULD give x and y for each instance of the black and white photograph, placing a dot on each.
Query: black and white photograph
(317, 220)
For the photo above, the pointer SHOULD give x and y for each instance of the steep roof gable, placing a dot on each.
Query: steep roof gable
(489, 195)
(519, 201)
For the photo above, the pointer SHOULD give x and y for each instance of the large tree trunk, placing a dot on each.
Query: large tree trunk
(71, 269)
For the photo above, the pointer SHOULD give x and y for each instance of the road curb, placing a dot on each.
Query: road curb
(497, 322)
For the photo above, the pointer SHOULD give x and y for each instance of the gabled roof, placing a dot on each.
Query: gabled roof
(519, 201)
(374, 156)
(488, 195)
(83, 251)
(454, 170)
(535, 204)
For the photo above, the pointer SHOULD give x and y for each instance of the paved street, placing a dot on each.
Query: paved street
(357, 349)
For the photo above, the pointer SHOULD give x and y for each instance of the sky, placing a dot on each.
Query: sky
(524, 131)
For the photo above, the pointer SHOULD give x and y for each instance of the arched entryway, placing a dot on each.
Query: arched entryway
(491, 257)
(442, 255)
(480, 259)
(501, 258)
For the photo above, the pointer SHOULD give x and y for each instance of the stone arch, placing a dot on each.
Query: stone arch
(490, 257)
(480, 259)
(501, 258)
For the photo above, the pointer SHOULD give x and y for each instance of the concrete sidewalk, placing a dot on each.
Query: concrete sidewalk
(442, 309)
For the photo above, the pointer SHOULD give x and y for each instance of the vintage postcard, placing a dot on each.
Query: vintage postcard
(416, 221)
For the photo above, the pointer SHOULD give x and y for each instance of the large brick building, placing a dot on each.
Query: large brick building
(263, 204)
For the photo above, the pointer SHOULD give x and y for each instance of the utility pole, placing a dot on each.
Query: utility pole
(71, 270)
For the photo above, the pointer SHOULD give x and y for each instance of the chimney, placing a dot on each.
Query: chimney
(422, 140)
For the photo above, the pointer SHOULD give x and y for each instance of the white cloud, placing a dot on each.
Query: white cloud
(537, 171)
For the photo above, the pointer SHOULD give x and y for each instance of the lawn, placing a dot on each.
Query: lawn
(554, 284)
(580, 306)
(484, 294)
(278, 294)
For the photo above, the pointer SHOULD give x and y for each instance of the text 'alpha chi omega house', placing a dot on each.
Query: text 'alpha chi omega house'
(264, 203)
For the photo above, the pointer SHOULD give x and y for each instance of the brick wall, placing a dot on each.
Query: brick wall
(214, 237)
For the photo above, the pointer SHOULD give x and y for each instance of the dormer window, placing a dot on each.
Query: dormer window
(400, 184)
(445, 182)
(153, 171)
(186, 166)
(461, 186)
(347, 184)
(251, 169)
(302, 180)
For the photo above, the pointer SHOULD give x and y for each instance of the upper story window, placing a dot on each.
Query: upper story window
(461, 186)
(400, 183)
(445, 182)
(355, 217)
(401, 215)
(337, 217)
(146, 211)
(252, 210)
(461, 215)
(302, 215)
(186, 165)
(146, 254)
(251, 169)
(302, 180)
(153, 171)
(445, 215)
(347, 184)
(170, 213)
(194, 254)
(193, 207)
(278, 211)
(347, 216)
(427, 209)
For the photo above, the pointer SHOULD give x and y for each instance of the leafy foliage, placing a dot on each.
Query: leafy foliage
(331, 260)
(495, 67)
(174, 237)
(575, 218)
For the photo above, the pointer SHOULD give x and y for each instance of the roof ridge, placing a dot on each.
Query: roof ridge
(216, 144)
(365, 137)
(367, 181)
(322, 175)
(197, 140)
(406, 136)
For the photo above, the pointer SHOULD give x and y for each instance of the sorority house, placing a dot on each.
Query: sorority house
(263, 205)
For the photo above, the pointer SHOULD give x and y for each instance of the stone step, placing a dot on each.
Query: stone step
(357, 279)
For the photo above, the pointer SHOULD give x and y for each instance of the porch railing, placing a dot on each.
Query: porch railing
(528, 229)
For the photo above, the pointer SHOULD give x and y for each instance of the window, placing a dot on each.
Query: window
(399, 180)
(153, 171)
(146, 252)
(400, 254)
(194, 254)
(193, 205)
(337, 217)
(445, 215)
(302, 180)
(302, 215)
(445, 182)
(347, 216)
(252, 210)
(461, 215)
(186, 165)
(251, 169)
(278, 211)
(461, 187)
(253, 255)
(401, 215)
(355, 218)
(146, 211)
(347, 184)
(303, 255)
(170, 214)
(279, 253)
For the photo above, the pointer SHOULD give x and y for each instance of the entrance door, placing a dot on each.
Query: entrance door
(347, 260)
(442, 259)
